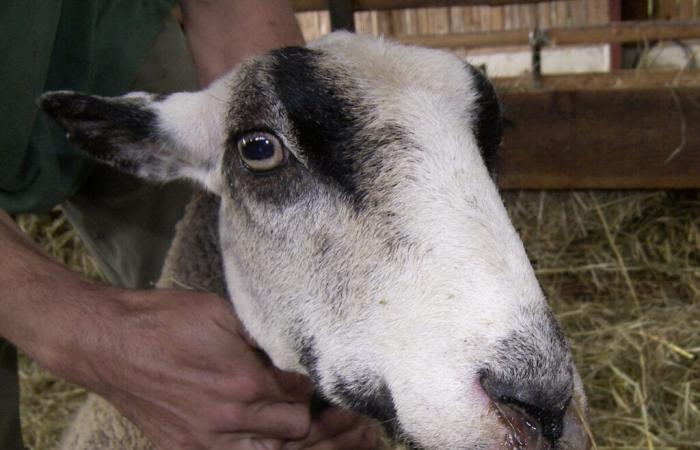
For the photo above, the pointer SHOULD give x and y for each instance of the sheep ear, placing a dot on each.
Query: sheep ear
(179, 136)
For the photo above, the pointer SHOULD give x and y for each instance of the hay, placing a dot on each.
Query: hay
(58, 238)
(622, 272)
(47, 404)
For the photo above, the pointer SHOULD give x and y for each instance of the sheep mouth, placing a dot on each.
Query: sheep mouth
(523, 432)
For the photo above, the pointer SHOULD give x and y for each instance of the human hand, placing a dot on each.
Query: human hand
(177, 364)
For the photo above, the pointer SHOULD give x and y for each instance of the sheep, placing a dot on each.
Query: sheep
(363, 172)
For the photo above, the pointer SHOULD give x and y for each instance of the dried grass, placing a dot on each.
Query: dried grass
(47, 404)
(622, 272)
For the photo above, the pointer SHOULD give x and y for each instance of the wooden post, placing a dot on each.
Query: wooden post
(342, 15)
(615, 49)
(601, 139)
(538, 38)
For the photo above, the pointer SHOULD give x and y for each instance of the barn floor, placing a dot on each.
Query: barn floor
(622, 272)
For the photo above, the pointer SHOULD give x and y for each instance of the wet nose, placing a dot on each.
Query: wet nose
(531, 410)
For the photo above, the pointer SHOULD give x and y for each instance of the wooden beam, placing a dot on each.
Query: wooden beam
(378, 5)
(619, 80)
(469, 40)
(611, 139)
(618, 32)
(622, 32)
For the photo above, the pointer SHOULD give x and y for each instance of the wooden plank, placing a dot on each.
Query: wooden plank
(618, 32)
(598, 12)
(624, 79)
(626, 32)
(666, 9)
(544, 15)
(561, 13)
(368, 5)
(385, 25)
(471, 40)
(615, 10)
(363, 22)
(685, 10)
(611, 139)
(497, 20)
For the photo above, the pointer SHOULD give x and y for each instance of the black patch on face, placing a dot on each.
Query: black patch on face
(326, 124)
(379, 404)
(103, 127)
(309, 357)
(254, 109)
(488, 121)
(530, 377)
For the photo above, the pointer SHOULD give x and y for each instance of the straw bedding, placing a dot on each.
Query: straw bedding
(622, 272)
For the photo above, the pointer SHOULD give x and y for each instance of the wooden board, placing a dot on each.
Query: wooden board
(614, 32)
(608, 139)
(461, 19)
(366, 5)
(619, 80)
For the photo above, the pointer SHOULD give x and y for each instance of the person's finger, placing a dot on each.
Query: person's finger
(233, 442)
(264, 444)
(296, 385)
(288, 421)
(332, 421)
(256, 383)
(363, 436)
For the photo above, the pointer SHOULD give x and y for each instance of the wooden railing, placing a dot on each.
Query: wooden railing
(619, 130)
(377, 5)
(618, 32)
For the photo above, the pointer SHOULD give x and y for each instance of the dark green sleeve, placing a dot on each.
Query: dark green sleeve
(91, 46)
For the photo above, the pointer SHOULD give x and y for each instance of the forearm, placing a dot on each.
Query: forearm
(44, 307)
(223, 33)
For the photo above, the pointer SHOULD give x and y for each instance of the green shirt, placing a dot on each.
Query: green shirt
(92, 46)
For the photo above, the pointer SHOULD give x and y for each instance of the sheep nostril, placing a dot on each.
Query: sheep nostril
(549, 423)
(528, 412)
(523, 432)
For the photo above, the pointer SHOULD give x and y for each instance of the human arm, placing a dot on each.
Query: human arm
(222, 33)
(136, 348)
(176, 363)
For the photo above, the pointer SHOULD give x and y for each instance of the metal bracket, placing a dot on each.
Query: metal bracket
(538, 38)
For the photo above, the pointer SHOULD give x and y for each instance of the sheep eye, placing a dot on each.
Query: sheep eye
(261, 151)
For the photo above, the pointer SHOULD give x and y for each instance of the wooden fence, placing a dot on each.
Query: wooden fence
(464, 19)
(622, 130)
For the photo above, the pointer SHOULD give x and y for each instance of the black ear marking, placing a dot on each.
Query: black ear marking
(106, 128)
(487, 119)
(70, 109)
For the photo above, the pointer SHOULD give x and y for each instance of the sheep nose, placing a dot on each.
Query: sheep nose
(532, 412)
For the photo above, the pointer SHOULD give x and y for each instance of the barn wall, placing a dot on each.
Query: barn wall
(498, 62)
(516, 61)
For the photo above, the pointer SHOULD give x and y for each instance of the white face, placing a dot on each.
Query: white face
(363, 238)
